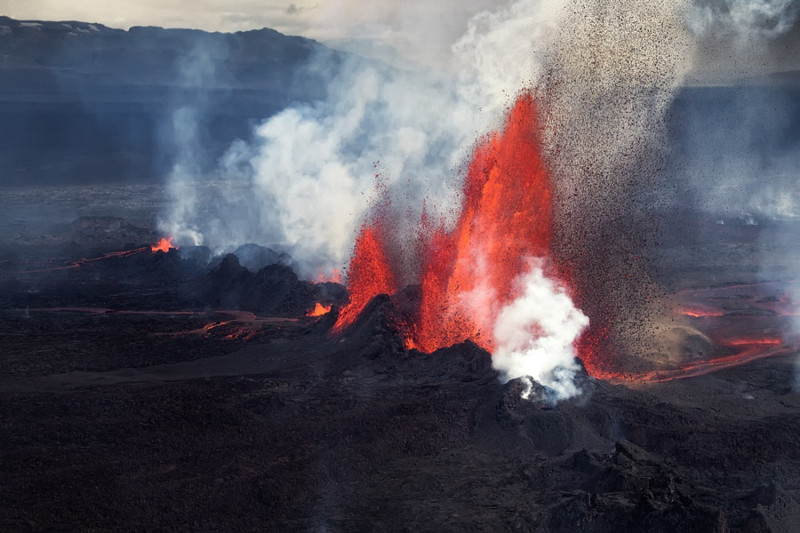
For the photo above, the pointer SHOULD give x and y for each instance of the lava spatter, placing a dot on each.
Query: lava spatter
(469, 272)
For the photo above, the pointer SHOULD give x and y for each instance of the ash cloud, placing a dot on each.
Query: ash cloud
(612, 77)
(743, 18)
(739, 39)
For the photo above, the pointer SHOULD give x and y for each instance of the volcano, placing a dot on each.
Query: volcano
(469, 273)
(148, 386)
(575, 344)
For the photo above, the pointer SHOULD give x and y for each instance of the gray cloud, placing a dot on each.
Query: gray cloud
(747, 18)
(744, 38)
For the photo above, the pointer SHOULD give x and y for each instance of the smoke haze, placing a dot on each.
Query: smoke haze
(304, 183)
(609, 74)
(739, 39)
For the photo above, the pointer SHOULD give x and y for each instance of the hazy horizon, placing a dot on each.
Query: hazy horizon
(734, 39)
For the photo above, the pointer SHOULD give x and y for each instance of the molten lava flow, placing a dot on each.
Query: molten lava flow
(164, 245)
(745, 323)
(85, 261)
(319, 310)
(745, 351)
(468, 274)
(243, 325)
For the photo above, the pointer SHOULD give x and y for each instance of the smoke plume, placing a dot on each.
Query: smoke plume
(535, 336)
(198, 73)
(741, 39)
(744, 18)
(303, 184)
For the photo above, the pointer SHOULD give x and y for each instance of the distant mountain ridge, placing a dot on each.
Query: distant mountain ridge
(82, 102)
(145, 55)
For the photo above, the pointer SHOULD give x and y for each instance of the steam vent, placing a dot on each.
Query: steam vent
(469, 266)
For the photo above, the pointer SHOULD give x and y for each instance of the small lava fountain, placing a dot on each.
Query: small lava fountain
(163, 245)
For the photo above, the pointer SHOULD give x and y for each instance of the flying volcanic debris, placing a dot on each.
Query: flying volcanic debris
(545, 208)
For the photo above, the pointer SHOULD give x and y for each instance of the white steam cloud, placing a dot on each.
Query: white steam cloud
(199, 71)
(535, 336)
(303, 185)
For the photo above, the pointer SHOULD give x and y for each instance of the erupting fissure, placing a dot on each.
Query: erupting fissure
(468, 273)
(163, 245)
(335, 277)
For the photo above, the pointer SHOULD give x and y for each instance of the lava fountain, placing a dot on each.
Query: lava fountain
(470, 273)
(494, 279)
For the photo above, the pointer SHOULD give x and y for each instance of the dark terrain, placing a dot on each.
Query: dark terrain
(132, 399)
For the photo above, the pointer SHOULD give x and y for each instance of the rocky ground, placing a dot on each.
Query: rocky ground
(132, 397)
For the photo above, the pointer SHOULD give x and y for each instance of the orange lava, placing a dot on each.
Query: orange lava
(747, 350)
(319, 310)
(468, 273)
(700, 313)
(164, 245)
(335, 277)
(746, 322)
(370, 274)
(85, 261)
(243, 325)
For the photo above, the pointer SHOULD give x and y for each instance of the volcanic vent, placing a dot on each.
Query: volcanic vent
(492, 267)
